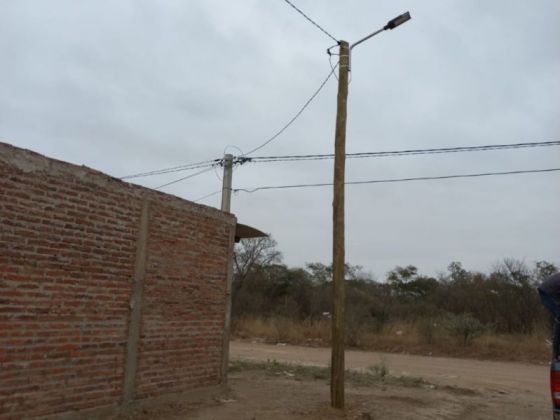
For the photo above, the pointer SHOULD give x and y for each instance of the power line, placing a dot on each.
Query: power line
(295, 116)
(311, 21)
(380, 181)
(186, 167)
(207, 196)
(185, 177)
(211, 163)
(288, 158)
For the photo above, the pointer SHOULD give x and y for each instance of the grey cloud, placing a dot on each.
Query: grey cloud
(131, 86)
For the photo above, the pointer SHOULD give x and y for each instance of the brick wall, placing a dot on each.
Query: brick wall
(69, 239)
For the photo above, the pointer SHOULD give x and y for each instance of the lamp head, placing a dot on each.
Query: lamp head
(399, 20)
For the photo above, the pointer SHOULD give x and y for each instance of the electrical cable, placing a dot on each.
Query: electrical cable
(380, 181)
(179, 168)
(288, 158)
(232, 146)
(335, 76)
(217, 174)
(312, 21)
(332, 67)
(186, 177)
(296, 115)
(207, 196)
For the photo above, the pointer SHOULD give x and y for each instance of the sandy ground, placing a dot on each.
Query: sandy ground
(467, 389)
(517, 378)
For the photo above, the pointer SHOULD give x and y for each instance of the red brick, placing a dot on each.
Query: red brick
(67, 253)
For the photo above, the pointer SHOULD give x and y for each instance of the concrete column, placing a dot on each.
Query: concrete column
(227, 324)
(131, 362)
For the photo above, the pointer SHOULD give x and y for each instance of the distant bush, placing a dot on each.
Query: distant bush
(505, 298)
(464, 326)
(427, 330)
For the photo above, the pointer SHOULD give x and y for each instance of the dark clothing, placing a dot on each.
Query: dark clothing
(549, 292)
(550, 303)
(551, 287)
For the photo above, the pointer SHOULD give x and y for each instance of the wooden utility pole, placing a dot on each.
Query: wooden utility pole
(339, 292)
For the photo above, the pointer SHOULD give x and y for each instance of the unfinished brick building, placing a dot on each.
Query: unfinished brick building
(109, 292)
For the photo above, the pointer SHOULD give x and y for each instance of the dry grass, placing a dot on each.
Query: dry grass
(373, 376)
(414, 338)
(282, 330)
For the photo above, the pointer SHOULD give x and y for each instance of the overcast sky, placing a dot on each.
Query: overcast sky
(131, 86)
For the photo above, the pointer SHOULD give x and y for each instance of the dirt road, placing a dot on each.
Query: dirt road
(479, 390)
(511, 378)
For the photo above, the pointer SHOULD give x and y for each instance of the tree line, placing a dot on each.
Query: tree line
(504, 300)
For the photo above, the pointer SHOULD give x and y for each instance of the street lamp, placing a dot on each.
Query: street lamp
(339, 292)
(399, 20)
(392, 24)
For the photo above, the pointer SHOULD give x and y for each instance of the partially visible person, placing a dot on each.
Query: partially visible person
(549, 292)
